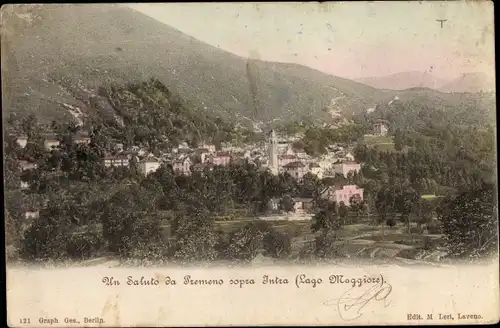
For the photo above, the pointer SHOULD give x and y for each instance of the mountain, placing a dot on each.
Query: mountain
(470, 82)
(403, 80)
(55, 57)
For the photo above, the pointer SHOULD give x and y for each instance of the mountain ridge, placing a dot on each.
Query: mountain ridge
(62, 55)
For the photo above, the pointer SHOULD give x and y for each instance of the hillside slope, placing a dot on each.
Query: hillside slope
(403, 80)
(471, 82)
(56, 51)
(56, 57)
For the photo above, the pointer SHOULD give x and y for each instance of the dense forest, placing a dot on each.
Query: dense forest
(87, 209)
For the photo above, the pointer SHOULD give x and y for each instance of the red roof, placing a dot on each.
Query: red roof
(223, 154)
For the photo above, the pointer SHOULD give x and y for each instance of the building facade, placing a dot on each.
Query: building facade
(343, 194)
(182, 166)
(220, 158)
(381, 127)
(149, 165)
(345, 167)
(116, 160)
(296, 169)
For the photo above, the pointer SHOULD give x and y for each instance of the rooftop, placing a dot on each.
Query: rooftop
(294, 164)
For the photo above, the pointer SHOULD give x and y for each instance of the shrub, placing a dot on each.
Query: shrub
(84, 245)
(245, 243)
(428, 243)
(277, 244)
(416, 230)
(434, 228)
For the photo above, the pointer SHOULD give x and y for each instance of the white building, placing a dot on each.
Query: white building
(345, 167)
(116, 160)
(381, 127)
(149, 165)
(22, 141)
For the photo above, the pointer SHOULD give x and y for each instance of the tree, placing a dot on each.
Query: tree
(391, 222)
(343, 212)
(326, 245)
(398, 140)
(195, 236)
(129, 218)
(385, 203)
(470, 223)
(357, 205)
(326, 219)
(310, 185)
(406, 204)
(277, 244)
(245, 243)
(47, 238)
(287, 204)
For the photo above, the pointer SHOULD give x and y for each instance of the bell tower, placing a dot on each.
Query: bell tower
(273, 152)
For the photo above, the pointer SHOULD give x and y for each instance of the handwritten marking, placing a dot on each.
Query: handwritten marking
(350, 305)
(441, 21)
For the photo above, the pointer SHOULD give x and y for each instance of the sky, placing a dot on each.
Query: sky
(348, 39)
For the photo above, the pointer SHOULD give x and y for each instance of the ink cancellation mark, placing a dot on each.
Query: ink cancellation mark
(353, 303)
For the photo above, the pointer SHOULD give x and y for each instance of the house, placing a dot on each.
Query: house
(182, 166)
(209, 147)
(296, 169)
(380, 127)
(116, 160)
(183, 145)
(24, 185)
(274, 204)
(220, 158)
(33, 214)
(349, 157)
(288, 150)
(203, 167)
(303, 205)
(25, 165)
(81, 138)
(302, 155)
(203, 153)
(118, 147)
(345, 167)
(22, 141)
(51, 142)
(286, 159)
(342, 193)
(315, 169)
(149, 165)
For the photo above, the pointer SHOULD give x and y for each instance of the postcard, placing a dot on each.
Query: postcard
(250, 164)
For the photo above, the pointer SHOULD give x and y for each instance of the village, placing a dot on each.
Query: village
(276, 155)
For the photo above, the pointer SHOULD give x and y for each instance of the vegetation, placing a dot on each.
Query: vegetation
(87, 209)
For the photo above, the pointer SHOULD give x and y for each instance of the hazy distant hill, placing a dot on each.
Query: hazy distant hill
(59, 50)
(403, 80)
(470, 82)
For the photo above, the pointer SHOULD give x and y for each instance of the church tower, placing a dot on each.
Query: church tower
(273, 152)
